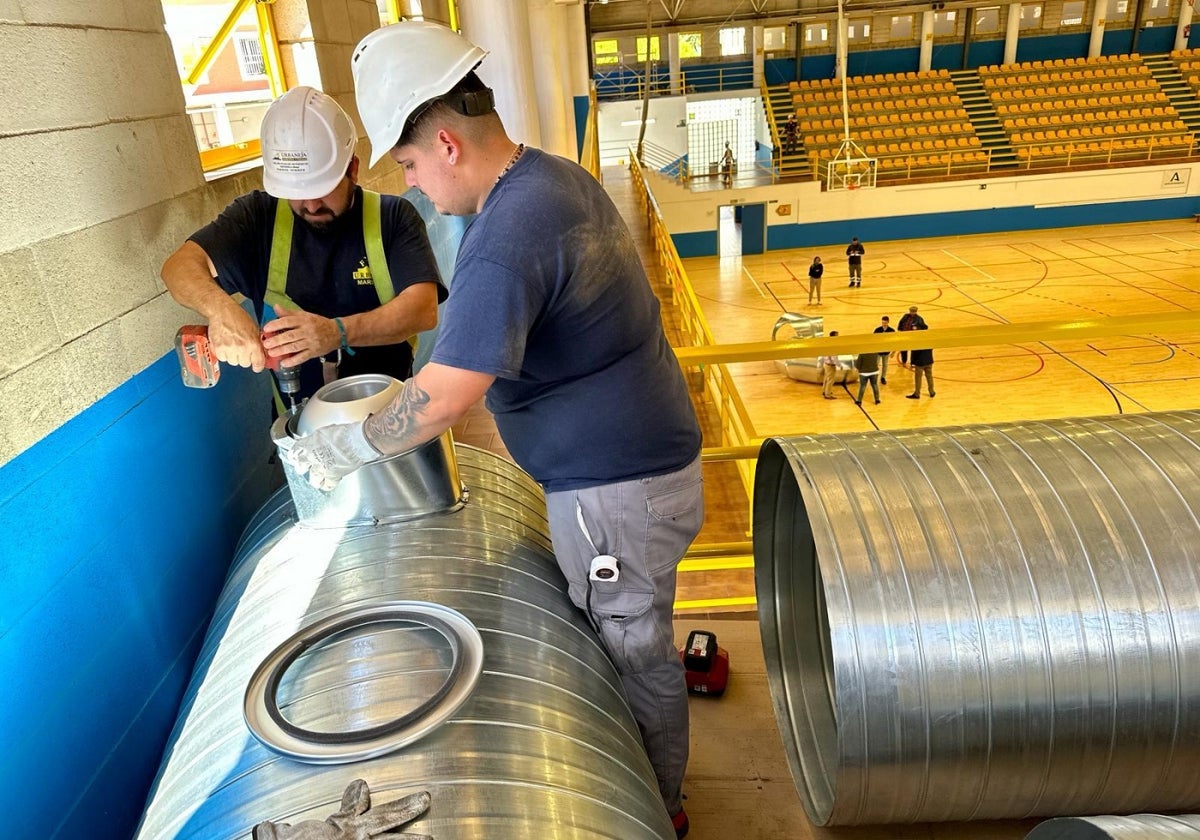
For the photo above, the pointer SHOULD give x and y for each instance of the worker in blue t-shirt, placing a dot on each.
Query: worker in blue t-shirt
(552, 318)
(341, 278)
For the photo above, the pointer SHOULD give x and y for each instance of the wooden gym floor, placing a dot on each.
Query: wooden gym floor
(738, 784)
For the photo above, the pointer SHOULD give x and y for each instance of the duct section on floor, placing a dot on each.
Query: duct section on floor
(985, 622)
(1137, 827)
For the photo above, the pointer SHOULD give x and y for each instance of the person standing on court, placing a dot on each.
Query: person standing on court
(868, 371)
(815, 272)
(829, 367)
(885, 326)
(922, 365)
(550, 318)
(854, 255)
(906, 324)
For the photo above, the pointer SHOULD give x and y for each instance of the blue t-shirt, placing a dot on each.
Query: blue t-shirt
(324, 269)
(550, 296)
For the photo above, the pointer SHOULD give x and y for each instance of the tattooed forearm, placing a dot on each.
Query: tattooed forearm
(403, 423)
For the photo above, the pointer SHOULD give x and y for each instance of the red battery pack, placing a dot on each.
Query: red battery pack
(705, 663)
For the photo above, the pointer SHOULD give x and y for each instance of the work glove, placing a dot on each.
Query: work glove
(328, 454)
(356, 820)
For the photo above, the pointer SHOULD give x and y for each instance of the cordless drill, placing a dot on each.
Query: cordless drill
(199, 367)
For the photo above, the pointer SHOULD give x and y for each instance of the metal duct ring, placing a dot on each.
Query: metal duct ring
(269, 726)
(1136, 827)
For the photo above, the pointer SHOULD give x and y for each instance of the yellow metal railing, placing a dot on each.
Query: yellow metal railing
(589, 157)
(777, 155)
(736, 428)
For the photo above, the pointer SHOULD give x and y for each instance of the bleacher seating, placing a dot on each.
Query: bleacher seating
(913, 123)
(1188, 62)
(1079, 110)
(1054, 113)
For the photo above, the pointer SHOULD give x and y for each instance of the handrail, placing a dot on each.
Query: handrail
(777, 147)
(736, 427)
(589, 157)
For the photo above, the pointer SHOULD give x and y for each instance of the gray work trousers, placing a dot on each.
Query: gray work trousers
(647, 524)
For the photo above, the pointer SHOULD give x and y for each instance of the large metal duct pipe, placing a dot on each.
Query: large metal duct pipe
(1137, 827)
(431, 648)
(985, 622)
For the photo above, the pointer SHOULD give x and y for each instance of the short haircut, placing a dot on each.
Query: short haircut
(467, 100)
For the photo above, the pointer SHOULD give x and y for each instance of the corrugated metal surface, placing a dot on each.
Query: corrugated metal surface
(544, 747)
(1137, 827)
(985, 622)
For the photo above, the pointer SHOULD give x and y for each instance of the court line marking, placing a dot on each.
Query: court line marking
(1177, 242)
(754, 283)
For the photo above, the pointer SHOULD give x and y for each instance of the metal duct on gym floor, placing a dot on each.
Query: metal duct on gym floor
(1137, 827)
(436, 653)
(985, 622)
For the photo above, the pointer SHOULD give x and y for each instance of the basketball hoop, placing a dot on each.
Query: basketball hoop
(851, 186)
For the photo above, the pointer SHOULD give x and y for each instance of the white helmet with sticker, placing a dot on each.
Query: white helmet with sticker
(307, 144)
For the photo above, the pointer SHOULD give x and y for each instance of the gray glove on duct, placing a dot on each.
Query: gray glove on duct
(356, 820)
(328, 454)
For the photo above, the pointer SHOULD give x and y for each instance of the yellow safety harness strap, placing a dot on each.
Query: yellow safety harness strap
(373, 237)
(281, 255)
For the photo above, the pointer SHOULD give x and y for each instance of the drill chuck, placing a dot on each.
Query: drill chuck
(288, 379)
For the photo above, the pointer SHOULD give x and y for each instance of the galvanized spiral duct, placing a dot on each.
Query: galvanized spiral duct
(985, 622)
(542, 745)
(1137, 827)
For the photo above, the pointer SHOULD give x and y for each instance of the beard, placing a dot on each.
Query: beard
(320, 219)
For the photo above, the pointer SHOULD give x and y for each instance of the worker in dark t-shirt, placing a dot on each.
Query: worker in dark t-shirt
(341, 278)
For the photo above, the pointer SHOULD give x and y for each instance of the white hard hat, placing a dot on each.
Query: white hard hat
(400, 67)
(307, 143)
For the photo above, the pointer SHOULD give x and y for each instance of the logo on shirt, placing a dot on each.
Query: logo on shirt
(362, 274)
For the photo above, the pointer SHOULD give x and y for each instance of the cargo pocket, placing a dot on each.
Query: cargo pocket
(673, 518)
(626, 624)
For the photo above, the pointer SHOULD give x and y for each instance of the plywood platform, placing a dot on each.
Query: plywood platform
(738, 785)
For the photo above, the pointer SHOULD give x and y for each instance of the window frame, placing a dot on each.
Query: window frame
(655, 48)
(730, 30)
(862, 38)
(684, 38)
(606, 58)
(225, 36)
(912, 27)
(1081, 4)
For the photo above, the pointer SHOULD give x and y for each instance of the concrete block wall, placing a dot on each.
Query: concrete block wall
(93, 147)
(122, 493)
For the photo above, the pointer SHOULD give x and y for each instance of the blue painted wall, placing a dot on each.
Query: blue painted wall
(118, 530)
(581, 104)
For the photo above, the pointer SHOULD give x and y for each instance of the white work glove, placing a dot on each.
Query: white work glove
(330, 453)
(356, 820)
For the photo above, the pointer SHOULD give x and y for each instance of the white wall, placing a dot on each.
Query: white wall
(687, 212)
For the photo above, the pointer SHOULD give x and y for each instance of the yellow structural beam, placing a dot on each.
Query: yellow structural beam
(217, 43)
(717, 564)
(1155, 323)
(712, 603)
(719, 549)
